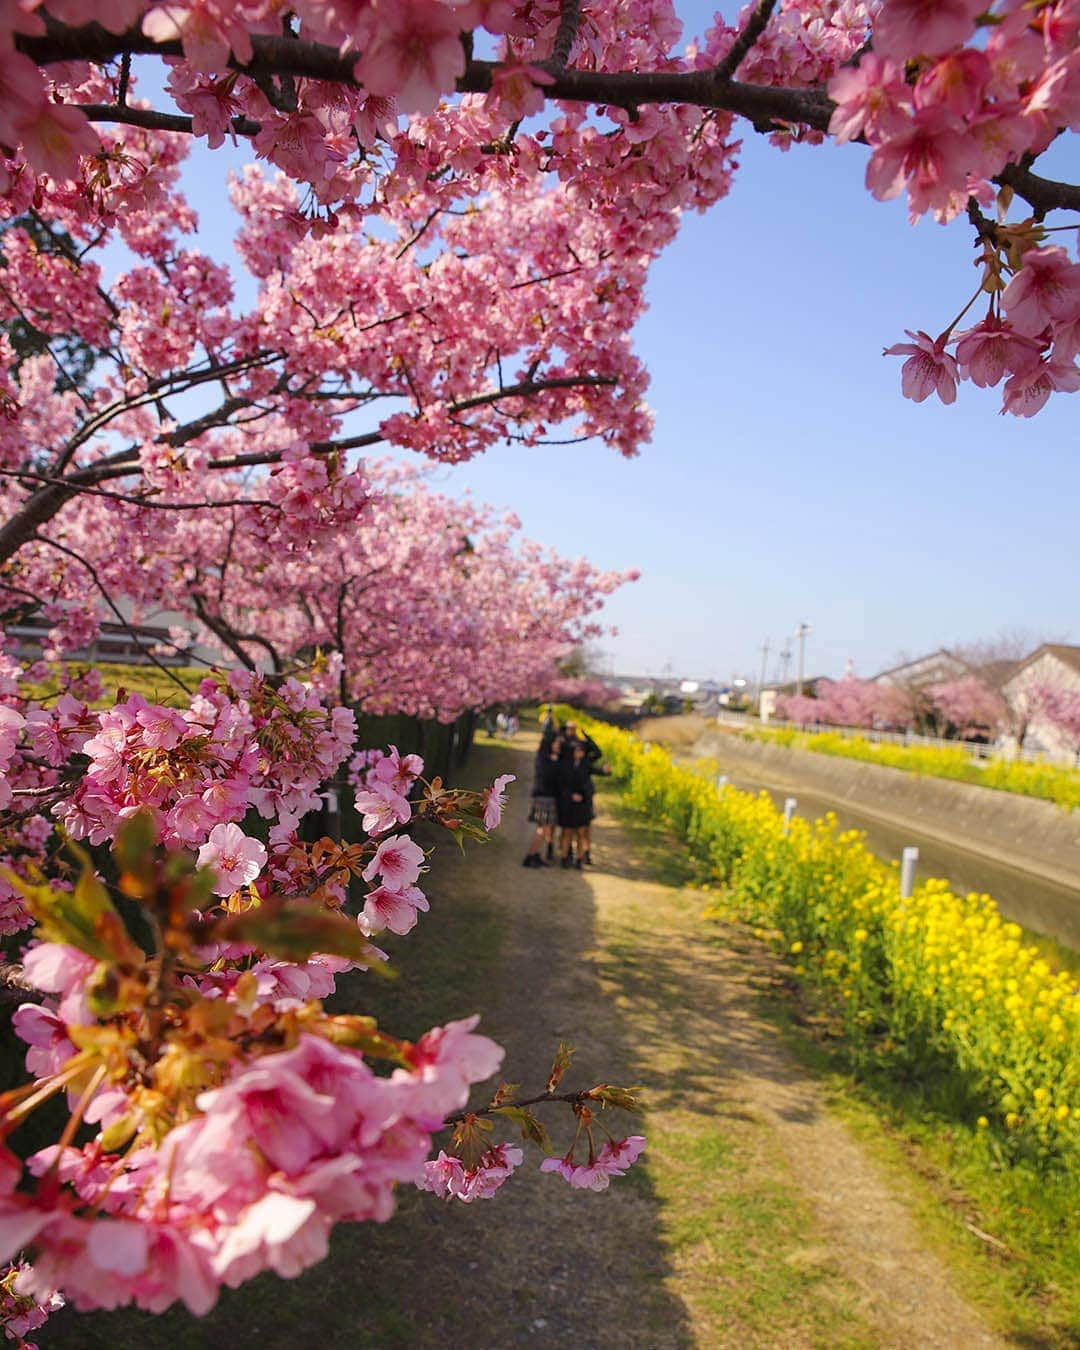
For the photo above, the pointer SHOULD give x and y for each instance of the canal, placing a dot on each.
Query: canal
(1040, 905)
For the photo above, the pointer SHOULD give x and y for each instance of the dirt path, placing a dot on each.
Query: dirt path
(623, 966)
(756, 1221)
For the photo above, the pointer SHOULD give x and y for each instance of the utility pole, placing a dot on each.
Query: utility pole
(785, 663)
(764, 663)
(801, 633)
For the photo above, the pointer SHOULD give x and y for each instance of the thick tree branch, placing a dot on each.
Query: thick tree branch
(285, 56)
(1041, 194)
(311, 60)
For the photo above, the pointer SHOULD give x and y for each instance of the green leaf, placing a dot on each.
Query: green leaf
(296, 931)
(532, 1129)
(83, 917)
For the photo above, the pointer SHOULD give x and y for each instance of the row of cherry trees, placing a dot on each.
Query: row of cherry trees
(449, 244)
(966, 707)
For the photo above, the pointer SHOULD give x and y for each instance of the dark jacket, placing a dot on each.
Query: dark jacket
(546, 780)
(576, 780)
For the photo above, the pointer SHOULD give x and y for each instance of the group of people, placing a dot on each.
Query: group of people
(562, 794)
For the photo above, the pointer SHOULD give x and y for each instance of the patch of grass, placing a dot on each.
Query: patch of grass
(1022, 1266)
(154, 685)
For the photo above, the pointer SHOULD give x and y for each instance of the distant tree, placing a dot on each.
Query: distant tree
(969, 707)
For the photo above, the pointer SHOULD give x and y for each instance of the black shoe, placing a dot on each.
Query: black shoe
(550, 852)
(587, 856)
(532, 860)
(568, 861)
(577, 864)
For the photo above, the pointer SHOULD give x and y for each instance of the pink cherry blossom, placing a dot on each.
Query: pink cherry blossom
(991, 350)
(381, 807)
(415, 56)
(1045, 289)
(449, 1179)
(872, 100)
(612, 1161)
(397, 862)
(909, 28)
(929, 368)
(397, 910)
(494, 801)
(1026, 393)
(236, 858)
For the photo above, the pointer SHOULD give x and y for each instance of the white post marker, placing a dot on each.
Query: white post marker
(721, 781)
(790, 803)
(909, 861)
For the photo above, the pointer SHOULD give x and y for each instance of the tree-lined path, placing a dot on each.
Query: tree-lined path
(757, 1220)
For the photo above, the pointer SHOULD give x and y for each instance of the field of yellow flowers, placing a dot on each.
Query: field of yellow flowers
(938, 982)
(1051, 782)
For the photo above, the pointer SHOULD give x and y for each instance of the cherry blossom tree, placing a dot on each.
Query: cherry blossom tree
(430, 605)
(851, 702)
(969, 706)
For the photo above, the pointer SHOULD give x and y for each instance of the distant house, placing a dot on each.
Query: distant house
(1051, 666)
(128, 644)
(937, 668)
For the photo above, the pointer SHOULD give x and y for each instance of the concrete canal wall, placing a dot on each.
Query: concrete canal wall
(1021, 832)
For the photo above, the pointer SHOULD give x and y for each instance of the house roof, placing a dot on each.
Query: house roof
(1067, 655)
(942, 653)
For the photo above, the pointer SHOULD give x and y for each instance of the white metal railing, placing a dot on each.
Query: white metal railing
(975, 749)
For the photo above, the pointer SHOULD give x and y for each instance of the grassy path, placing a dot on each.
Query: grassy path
(757, 1220)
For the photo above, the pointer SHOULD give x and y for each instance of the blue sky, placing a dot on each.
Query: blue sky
(787, 479)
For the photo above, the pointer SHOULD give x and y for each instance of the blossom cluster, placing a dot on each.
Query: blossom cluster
(611, 1160)
(292, 1143)
(949, 97)
(21, 1312)
(237, 745)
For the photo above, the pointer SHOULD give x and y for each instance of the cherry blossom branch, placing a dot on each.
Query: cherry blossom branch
(1042, 194)
(129, 629)
(762, 105)
(574, 1098)
(148, 502)
(755, 26)
(232, 639)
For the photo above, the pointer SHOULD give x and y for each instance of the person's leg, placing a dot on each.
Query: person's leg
(579, 838)
(586, 844)
(532, 857)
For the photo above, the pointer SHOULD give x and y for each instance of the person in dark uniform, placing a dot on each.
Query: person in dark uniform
(586, 833)
(544, 801)
(575, 806)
